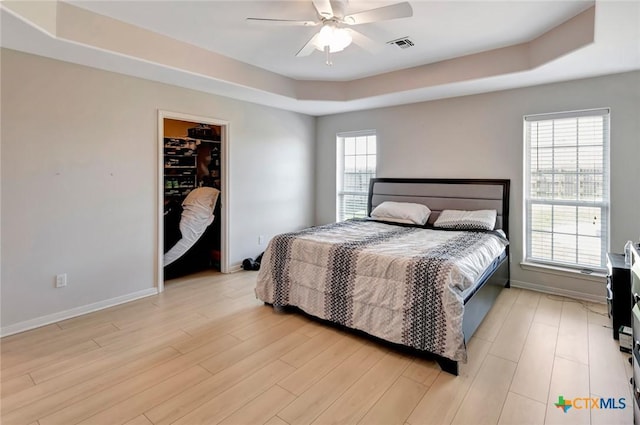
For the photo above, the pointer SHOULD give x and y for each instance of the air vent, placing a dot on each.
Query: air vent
(403, 43)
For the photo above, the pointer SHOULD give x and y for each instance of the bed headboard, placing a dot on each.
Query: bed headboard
(440, 194)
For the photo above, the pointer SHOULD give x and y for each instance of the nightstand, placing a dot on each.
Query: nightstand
(619, 291)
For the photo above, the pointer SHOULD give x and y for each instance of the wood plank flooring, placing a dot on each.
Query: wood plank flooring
(206, 352)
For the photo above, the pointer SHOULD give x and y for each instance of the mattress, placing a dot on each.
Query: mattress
(406, 285)
(468, 292)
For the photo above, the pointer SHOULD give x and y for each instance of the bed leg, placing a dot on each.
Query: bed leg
(448, 365)
(278, 309)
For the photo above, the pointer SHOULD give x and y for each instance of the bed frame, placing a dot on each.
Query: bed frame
(461, 194)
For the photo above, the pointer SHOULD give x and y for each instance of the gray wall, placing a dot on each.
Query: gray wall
(79, 181)
(481, 136)
(78, 172)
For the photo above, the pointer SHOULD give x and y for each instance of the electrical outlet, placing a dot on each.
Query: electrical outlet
(61, 280)
(260, 239)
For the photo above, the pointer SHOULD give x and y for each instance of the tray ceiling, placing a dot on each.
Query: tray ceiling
(460, 47)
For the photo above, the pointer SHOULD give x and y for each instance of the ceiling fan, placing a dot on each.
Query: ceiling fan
(335, 34)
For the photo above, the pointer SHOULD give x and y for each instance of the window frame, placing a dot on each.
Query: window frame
(340, 167)
(604, 205)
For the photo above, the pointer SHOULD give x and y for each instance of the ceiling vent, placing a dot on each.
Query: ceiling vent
(403, 43)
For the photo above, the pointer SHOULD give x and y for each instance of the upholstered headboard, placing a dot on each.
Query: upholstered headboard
(440, 194)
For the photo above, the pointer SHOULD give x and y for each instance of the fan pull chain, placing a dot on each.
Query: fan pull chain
(327, 51)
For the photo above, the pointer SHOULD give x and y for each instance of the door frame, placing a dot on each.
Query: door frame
(224, 188)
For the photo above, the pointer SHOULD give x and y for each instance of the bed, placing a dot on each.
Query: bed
(417, 286)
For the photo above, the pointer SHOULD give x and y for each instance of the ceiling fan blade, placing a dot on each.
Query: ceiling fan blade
(286, 22)
(363, 41)
(324, 8)
(308, 48)
(394, 11)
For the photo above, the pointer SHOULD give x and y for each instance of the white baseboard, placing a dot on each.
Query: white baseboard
(89, 308)
(74, 312)
(235, 268)
(559, 291)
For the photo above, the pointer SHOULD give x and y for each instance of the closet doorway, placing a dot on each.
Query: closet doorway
(192, 195)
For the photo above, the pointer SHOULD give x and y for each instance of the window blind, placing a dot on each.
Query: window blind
(356, 166)
(567, 189)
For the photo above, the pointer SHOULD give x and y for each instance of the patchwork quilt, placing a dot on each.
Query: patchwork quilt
(402, 284)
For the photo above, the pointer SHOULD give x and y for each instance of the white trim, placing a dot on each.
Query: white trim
(225, 242)
(559, 291)
(74, 312)
(159, 274)
(594, 276)
(235, 268)
(356, 133)
(568, 114)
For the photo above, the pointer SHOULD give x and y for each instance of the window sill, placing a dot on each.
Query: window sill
(594, 276)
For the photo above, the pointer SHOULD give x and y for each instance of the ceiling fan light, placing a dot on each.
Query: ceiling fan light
(324, 37)
(336, 38)
(341, 38)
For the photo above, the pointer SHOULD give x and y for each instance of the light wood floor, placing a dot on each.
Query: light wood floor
(206, 352)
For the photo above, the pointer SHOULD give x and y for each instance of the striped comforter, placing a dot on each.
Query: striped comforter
(401, 284)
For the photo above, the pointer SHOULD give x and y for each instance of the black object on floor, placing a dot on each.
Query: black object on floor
(251, 264)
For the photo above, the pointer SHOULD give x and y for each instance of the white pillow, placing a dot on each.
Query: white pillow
(466, 220)
(401, 212)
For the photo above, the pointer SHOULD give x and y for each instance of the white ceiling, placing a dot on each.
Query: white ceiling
(444, 33)
(440, 30)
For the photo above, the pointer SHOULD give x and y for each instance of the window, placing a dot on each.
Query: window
(567, 189)
(356, 165)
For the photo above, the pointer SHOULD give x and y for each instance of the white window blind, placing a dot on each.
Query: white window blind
(567, 189)
(356, 165)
